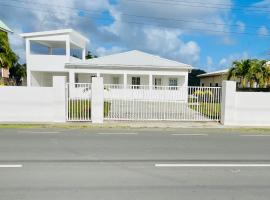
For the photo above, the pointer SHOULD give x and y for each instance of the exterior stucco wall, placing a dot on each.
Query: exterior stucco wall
(244, 108)
(213, 80)
(33, 104)
(45, 79)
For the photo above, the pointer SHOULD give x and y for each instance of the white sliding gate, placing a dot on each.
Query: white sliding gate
(162, 103)
(140, 103)
(78, 102)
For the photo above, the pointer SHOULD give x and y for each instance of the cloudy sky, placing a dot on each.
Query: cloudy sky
(209, 34)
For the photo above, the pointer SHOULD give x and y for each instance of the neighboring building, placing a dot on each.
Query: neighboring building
(213, 79)
(62, 52)
(4, 73)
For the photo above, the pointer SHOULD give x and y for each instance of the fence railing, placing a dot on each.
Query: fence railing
(146, 103)
(78, 105)
(183, 104)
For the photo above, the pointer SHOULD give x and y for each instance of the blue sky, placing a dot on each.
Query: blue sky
(207, 34)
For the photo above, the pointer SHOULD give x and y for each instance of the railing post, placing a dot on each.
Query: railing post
(97, 101)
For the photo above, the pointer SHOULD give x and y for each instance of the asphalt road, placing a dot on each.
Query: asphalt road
(134, 164)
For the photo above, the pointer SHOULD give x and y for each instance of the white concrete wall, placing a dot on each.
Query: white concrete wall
(33, 104)
(97, 100)
(45, 79)
(244, 108)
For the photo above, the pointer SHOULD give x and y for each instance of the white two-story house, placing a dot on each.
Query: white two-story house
(62, 52)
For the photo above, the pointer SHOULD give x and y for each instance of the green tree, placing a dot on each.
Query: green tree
(193, 79)
(7, 56)
(257, 73)
(18, 73)
(240, 70)
(251, 71)
(90, 55)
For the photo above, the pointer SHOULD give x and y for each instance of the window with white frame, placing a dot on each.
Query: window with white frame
(116, 80)
(158, 82)
(173, 83)
(136, 82)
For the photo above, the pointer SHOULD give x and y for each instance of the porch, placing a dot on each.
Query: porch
(132, 80)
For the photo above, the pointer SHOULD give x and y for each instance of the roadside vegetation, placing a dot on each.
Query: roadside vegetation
(250, 73)
(9, 61)
(80, 109)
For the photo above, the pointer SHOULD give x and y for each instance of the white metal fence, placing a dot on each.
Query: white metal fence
(78, 102)
(162, 103)
(146, 103)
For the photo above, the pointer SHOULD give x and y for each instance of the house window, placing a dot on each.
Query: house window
(210, 84)
(115, 80)
(136, 82)
(202, 84)
(157, 82)
(173, 83)
(216, 84)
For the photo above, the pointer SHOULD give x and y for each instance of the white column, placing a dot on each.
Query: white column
(68, 49)
(125, 80)
(97, 101)
(83, 53)
(150, 81)
(59, 95)
(28, 52)
(228, 102)
(71, 77)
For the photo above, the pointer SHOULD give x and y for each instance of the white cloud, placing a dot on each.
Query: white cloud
(101, 51)
(241, 26)
(227, 62)
(263, 31)
(121, 34)
(209, 62)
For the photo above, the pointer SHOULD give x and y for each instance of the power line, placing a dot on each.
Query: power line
(209, 3)
(147, 24)
(141, 16)
(201, 5)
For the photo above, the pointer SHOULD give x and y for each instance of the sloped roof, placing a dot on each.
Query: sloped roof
(215, 73)
(4, 27)
(131, 59)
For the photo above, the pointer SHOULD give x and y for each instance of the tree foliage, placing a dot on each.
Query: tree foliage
(7, 56)
(193, 79)
(250, 72)
(90, 55)
(18, 73)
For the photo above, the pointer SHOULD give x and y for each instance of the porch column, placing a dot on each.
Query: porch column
(68, 49)
(150, 81)
(71, 78)
(28, 52)
(83, 54)
(125, 80)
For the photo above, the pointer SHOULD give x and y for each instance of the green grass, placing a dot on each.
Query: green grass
(80, 109)
(211, 110)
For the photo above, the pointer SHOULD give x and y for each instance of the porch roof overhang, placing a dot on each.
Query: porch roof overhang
(126, 67)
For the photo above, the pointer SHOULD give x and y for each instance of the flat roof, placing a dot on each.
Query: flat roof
(214, 73)
(53, 32)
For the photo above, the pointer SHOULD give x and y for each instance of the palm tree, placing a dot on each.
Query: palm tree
(7, 56)
(258, 73)
(240, 70)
